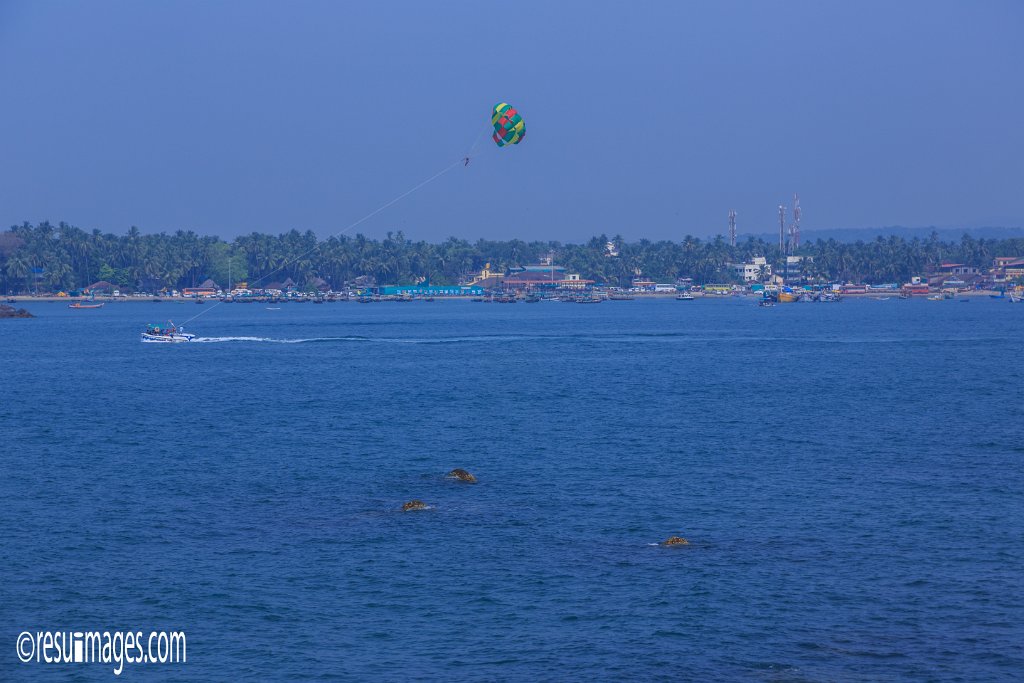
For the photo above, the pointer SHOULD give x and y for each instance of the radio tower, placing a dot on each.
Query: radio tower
(794, 231)
(732, 228)
(782, 228)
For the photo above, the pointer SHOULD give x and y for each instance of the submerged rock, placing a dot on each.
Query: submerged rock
(11, 312)
(462, 475)
(414, 505)
(675, 540)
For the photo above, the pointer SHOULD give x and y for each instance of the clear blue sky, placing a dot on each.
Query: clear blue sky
(649, 119)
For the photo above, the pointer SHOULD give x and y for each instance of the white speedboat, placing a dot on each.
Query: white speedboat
(171, 334)
(685, 296)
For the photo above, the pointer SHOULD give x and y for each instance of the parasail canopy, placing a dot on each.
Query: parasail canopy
(509, 127)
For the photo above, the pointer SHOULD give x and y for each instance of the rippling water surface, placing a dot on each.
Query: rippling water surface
(849, 475)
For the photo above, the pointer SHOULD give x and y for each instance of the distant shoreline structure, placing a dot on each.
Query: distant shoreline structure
(945, 234)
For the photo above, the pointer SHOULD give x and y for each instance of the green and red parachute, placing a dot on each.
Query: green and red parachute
(509, 127)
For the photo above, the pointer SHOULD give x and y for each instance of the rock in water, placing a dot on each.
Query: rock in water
(414, 505)
(462, 475)
(10, 312)
(675, 540)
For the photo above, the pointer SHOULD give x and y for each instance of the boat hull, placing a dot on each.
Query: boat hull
(167, 338)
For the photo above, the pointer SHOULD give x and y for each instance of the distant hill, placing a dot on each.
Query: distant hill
(869, 234)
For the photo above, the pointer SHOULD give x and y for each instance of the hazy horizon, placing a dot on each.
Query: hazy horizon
(649, 122)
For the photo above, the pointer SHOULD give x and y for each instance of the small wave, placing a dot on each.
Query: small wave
(459, 340)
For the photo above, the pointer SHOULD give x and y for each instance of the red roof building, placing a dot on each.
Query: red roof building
(545, 275)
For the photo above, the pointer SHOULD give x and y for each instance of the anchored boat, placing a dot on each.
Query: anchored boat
(78, 304)
(787, 296)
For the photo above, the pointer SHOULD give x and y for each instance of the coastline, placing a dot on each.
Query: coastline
(28, 298)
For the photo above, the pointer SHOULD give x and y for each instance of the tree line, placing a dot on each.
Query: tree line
(47, 257)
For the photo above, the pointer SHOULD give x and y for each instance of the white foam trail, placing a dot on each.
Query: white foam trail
(271, 340)
(611, 339)
(386, 340)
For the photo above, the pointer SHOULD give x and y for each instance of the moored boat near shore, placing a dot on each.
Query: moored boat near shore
(787, 296)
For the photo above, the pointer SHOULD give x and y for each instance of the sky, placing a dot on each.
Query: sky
(644, 119)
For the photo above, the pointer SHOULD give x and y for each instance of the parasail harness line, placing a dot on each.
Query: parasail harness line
(463, 160)
(471, 153)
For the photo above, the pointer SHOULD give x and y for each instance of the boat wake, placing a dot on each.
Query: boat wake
(385, 340)
(271, 340)
(617, 338)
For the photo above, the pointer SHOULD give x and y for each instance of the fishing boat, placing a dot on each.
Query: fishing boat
(685, 296)
(171, 334)
(1014, 299)
(766, 303)
(79, 304)
(787, 296)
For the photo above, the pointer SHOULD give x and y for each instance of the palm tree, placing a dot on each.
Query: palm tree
(18, 269)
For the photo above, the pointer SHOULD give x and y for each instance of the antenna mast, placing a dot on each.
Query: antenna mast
(782, 228)
(794, 231)
(732, 228)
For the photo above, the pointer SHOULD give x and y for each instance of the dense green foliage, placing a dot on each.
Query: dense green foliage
(62, 257)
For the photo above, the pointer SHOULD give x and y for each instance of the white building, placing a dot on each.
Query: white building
(753, 271)
(795, 267)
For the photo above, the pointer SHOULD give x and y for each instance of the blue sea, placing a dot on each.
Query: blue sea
(849, 477)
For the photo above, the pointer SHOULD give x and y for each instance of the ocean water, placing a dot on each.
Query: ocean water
(849, 477)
